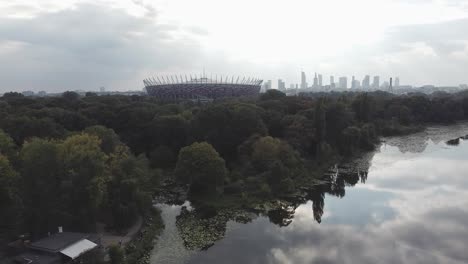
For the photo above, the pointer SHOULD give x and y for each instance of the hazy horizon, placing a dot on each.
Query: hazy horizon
(70, 45)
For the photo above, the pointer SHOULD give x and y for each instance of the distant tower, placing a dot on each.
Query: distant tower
(353, 83)
(376, 83)
(315, 81)
(366, 83)
(397, 82)
(320, 80)
(390, 88)
(281, 85)
(303, 81)
(343, 83)
(267, 85)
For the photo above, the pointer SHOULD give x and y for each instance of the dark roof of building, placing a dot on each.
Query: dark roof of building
(58, 241)
(30, 257)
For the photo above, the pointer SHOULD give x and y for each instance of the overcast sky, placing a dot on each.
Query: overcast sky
(68, 44)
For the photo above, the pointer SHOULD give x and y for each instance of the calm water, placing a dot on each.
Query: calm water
(411, 207)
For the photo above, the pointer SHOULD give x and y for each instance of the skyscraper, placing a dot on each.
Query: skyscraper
(376, 83)
(281, 85)
(343, 81)
(303, 81)
(315, 81)
(366, 83)
(353, 83)
(397, 82)
(268, 85)
(332, 80)
(320, 80)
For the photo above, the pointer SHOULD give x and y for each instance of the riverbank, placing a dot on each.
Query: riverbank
(138, 250)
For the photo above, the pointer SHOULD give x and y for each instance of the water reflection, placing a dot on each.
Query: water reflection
(409, 204)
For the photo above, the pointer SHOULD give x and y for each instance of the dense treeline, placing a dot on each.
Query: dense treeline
(74, 160)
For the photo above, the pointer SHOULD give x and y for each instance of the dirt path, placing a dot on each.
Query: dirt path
(108, 239)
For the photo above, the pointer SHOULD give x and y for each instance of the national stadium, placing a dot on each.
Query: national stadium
(180, 88)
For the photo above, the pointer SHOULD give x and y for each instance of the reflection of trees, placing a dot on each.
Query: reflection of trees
(335, 182)
(417, 143)
(203, 226)
(282, 216)
(318, 202)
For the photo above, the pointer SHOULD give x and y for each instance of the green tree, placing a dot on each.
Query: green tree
(109, 139)
(351, 139)
(200, 166)
(7, 146)
(85, 172)
(41, 173)
(278, 161)
(162, 157)
(226, 126)
(128, 193)
(10, 210)
(169, 130)
(363, 106)
(272, 94)
(116, 255)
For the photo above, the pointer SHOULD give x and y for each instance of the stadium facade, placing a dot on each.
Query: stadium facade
(180, 88)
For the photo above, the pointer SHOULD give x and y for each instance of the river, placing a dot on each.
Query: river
(405, 203)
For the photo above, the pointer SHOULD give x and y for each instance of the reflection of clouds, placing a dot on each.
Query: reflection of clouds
(418, 142)
(440, 166)
(435, 238)
(426, 193)
(412, 209)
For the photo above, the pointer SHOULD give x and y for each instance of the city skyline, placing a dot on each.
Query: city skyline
(71, 44)
(318, 78)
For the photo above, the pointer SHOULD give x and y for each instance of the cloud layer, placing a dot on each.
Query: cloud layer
(71, 44)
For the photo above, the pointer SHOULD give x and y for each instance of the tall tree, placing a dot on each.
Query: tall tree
(41, 184)
(200, 166)
(85, 173)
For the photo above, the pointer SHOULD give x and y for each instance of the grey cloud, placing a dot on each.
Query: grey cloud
(150, 10)
(89, 46)
(444, 37)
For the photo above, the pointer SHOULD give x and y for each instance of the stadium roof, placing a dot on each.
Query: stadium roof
(179, 79)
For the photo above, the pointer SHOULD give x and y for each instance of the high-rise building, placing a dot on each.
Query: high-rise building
(320, 80)
(376, 83)
(366, 83)
(353, 83)
(303, 81)
(397, 82)
(281, 85)
(357, 84)
(315, 81)
(343, 83)
(332, 82)
(266, 86)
